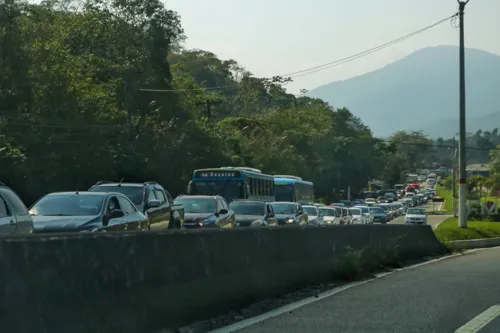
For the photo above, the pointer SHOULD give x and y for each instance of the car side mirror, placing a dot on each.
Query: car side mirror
(191, 189)
(154, 203)
(223, 211)
(116, 214)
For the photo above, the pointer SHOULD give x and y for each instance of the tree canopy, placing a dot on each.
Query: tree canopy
(106, 91)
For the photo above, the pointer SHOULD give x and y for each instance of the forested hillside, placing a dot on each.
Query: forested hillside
(419, 92)
(106, 91)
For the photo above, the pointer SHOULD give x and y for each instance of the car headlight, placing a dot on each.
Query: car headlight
(209, 220)
(290, 220)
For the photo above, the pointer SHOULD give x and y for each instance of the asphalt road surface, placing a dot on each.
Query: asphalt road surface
(458, 294)
(432, 220)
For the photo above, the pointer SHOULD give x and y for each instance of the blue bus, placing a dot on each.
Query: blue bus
(232, 183)
(293, 189)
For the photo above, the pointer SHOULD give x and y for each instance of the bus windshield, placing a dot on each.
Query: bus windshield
(284, 193)
(228, 189)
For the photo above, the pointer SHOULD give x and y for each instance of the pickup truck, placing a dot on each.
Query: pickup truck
(151, 199)
(14, 216)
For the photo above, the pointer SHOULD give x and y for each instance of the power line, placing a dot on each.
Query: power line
(184, 90)
(324, 66)
(366, 52)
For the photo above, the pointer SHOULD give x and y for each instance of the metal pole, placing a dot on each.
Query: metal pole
(454, 179)
(462, 177)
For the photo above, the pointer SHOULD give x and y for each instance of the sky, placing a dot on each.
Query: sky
(276, 37)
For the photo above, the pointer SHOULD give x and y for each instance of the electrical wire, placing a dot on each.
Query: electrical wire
(330, 64)
(184, 90)
(358, 55)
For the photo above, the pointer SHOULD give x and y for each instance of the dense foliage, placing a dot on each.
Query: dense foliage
(105, 91)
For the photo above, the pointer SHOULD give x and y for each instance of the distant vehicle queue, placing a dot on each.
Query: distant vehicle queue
(225, 197)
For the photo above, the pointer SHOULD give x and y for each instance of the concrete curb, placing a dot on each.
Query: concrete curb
(476, 243)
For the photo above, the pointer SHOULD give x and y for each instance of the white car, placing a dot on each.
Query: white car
(370, 201)
(416, 216)
(330, 215)
(357, 216)
(314, 214)
(365, 211)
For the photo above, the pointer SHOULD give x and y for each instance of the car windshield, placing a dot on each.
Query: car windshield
(329, 212)
(385, 208)
(248, 208)
(284, 208)
(338, 210)
(68, 205)
(415, 211)
(377, 210)
(311, 211)
(365, 210)
(355, 212)
(196, 205)
(134, 193)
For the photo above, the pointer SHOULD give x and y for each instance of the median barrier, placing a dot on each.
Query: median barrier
(140, 282)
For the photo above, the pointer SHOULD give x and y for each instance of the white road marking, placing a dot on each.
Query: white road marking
(295, 305)
(287, 308)
(480, 321)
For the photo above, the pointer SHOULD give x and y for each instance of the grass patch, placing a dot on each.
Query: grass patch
(448, 230)
(447, 196)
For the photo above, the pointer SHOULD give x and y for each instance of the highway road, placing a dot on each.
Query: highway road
(458, 294)
(433, 220)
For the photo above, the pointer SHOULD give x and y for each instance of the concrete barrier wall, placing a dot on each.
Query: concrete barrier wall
(140, 282)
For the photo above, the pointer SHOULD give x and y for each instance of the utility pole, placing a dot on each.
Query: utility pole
(462, 177)
(454, 178)
(209, 104)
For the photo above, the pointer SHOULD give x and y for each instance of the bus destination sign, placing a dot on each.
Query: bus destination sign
(217, 174)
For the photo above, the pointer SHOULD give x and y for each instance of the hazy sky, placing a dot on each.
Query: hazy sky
(275, 37)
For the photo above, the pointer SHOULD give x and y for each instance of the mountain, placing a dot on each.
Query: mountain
(448, 128)
(420, 92)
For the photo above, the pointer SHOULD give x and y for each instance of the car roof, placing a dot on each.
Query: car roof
(285, 202)
(199, 196)
(126, 184)
(82, 193)
(244, 201)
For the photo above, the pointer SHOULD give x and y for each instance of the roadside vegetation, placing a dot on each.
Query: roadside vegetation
(448, 230)
(104, 90)
(447, 197)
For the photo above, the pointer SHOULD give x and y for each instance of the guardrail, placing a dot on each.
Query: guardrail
(140, 282)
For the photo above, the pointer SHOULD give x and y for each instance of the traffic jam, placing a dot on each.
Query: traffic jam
(226, 197)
